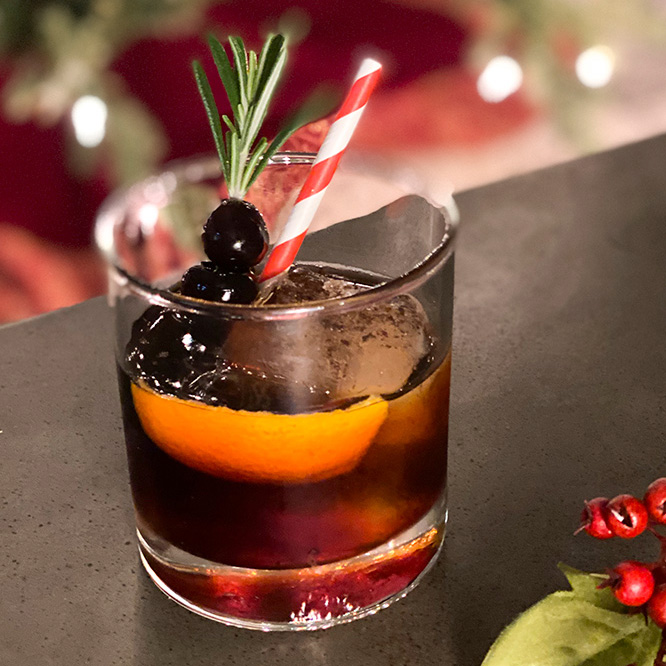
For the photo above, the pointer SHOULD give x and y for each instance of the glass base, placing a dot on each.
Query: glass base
(310, 598)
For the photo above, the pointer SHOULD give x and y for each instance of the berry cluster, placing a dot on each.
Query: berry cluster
(235, 239)
(636, 584)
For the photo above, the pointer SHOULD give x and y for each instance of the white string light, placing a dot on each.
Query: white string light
(501, 77)
(148, 215)
(595, 66)
(89, 115)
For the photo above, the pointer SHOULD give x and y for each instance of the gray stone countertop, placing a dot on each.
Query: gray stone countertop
(559, 394)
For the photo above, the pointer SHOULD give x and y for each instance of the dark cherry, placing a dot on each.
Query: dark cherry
(209, 283)
(166, 344)
(238, 288)
(201, 281)
(235, 237)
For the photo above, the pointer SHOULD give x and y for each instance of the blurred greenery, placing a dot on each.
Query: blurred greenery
(124, 20)
(63, 49)
(544, 36)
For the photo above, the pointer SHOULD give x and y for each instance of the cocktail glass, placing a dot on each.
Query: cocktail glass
(288, 460)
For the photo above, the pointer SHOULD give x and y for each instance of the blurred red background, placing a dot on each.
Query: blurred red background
(427, 98)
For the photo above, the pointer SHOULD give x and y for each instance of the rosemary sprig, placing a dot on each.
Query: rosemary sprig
(249, 84)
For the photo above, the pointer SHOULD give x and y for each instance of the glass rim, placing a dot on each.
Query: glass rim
(103, 237)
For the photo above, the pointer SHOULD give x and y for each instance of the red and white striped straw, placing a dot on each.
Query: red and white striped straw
(323, 168)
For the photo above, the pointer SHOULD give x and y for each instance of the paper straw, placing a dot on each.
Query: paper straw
(323, 168)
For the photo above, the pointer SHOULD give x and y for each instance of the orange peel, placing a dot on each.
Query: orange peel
(420, 414)
(259, 446)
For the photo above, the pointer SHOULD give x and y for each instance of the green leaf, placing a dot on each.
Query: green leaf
(235, 168)
(227, 121)
(240, 116)
(227, 74)
(586, 587)
(273, 48)
(253, 161)
(251, 73)
(563, 630)
(639, 649)
(265, 90)
(211, 109)
(250, 82)
(240, 62)
(584, 627)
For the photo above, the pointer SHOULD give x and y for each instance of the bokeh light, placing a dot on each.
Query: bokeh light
(89, 115)
(595, 66)
(501, 77)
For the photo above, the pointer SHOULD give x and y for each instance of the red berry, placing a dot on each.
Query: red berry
(593, 518)
(626, 516)
(655, 500)
(632, 583)
(657, 607)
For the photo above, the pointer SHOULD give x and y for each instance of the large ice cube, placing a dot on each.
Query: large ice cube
(337, 355)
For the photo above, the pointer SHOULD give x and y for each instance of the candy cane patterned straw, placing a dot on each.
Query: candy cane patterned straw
(322, 171)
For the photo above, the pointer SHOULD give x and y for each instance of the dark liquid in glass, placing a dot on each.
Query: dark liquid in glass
(278, 526)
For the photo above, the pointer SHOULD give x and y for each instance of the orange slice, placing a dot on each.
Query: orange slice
(421, 414)
(259, 446)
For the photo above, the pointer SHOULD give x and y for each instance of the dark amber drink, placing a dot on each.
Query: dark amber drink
(288, 458)
(281, 527)
(273, 523)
